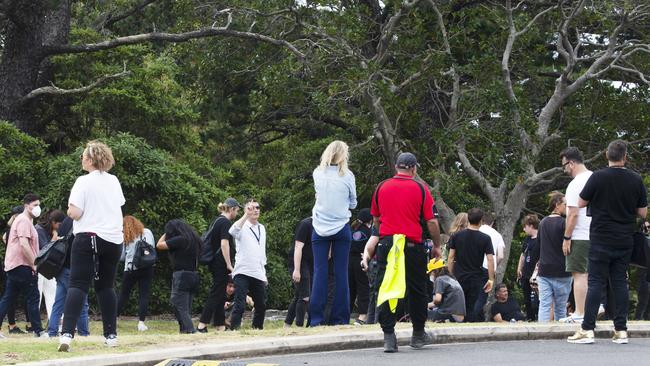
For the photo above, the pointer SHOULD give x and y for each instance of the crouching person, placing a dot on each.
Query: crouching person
(448, 297)
(249, 274)
(184, 246)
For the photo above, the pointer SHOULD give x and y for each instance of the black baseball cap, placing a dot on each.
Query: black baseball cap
(231, 202)
(406, 160)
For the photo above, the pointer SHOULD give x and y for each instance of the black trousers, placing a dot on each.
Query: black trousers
(243, 285)
(608, 262)
(299, 306)
(213, 306)
(82, 272)
(359, 288)
(531, 302)
(472, 289)
(143, 277)
(415, 260)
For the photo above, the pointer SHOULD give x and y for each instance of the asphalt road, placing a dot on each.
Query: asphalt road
(552, 353)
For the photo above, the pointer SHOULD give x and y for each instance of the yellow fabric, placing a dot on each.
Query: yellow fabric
(393, 286)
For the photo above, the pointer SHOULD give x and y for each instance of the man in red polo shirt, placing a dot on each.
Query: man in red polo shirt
(398, 205)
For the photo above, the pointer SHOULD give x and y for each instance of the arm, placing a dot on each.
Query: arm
(642, 212)
(225, 251)
(571, 221)
(450, 260)
(582, 203)
(520, 266)
(500, 252)
(488, 285)
(369, 251)
(353, 193)
(297, 258)
(434, 230)
(497, 318)
(27, 251)
(74, 212)
(162, 243)
(437, 299)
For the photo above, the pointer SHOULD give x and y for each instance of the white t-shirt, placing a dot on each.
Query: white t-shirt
(99, 196)
(581, 231)
(250, 259)
(498, 245)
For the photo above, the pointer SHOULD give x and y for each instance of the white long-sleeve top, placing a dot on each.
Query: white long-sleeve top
(250, 242)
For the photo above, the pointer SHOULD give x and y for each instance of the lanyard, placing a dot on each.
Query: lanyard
(257, 236)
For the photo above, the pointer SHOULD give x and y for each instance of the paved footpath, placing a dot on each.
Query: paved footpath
(353, 339)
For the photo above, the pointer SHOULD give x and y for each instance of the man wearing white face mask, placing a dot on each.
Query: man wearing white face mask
(22, 247)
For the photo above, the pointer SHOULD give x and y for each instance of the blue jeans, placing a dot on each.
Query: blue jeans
(608, 263)
(553, 290)
(22, 279)
(57, 309)
(340, 245)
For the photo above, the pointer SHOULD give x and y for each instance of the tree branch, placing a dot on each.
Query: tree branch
(388, 30)
(109, 19)
(170, 37)
(55, 90)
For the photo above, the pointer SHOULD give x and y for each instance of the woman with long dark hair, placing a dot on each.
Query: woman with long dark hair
(135, 231)
(184, 246)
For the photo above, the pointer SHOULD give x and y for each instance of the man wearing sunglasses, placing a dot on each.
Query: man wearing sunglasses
(249, 274)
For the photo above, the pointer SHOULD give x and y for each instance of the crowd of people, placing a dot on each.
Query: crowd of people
(381, 263)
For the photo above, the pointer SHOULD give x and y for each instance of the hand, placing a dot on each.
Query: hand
(566, 247)
(430, 305)
(364, 264)
(520, 273)
(488, 286)
(295, 276)
(436, 253)
(55, 236)
(229, 268)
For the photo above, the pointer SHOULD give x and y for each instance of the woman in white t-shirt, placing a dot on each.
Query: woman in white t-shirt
(95, 205)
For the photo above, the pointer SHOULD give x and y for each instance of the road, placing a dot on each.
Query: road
(551, 353)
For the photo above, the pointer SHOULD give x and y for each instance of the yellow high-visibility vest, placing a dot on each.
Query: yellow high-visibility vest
(393, 286)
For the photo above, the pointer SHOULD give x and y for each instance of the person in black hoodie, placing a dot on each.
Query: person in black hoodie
(184, 246)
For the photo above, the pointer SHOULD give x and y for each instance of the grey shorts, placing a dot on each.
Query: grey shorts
(577, 260)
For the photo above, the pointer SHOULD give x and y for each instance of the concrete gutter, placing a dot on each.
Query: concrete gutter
(362, 337)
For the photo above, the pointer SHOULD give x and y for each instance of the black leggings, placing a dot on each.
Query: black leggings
(216, 299)
(359, 286)
(82, 272)
(143, 277)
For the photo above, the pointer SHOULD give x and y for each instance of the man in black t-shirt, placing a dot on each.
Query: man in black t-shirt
(614, 197)
(301, 266)
(505, 309)
(466, 251)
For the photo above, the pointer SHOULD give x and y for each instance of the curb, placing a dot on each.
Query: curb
(338, 341)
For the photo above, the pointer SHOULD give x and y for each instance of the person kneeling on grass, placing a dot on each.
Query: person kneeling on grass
(448, 298)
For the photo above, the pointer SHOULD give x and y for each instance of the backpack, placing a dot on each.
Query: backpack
(145, 254)
(51, 258)
(208, 253)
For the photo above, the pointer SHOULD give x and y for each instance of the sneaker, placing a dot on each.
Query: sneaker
(582, 336)
(390, 343)
(111, 341)
(359, 322)
(41, 334)
(601, 312)
(620, 337)
(572, 319)
(202, 330)
(64, 342)
(2, 336)
(16, 330)
(420, 339)
(142, 327)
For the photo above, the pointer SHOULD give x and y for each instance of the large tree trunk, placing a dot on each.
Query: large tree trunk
(21, 59)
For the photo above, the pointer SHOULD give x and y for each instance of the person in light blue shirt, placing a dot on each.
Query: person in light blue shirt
(335, 196)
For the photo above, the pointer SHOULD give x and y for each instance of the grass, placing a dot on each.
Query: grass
(25, 348)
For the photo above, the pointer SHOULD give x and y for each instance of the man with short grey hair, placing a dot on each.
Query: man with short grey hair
(615, 197)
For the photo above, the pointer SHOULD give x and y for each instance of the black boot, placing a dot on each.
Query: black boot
(390, 342)
(420, 338)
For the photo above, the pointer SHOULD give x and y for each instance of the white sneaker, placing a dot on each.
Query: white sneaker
(2, 336)
(64, 342)
(572, 319)
(44, 334)
(601, 312)
(142, 327)
(111, 341)
(620, 337)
